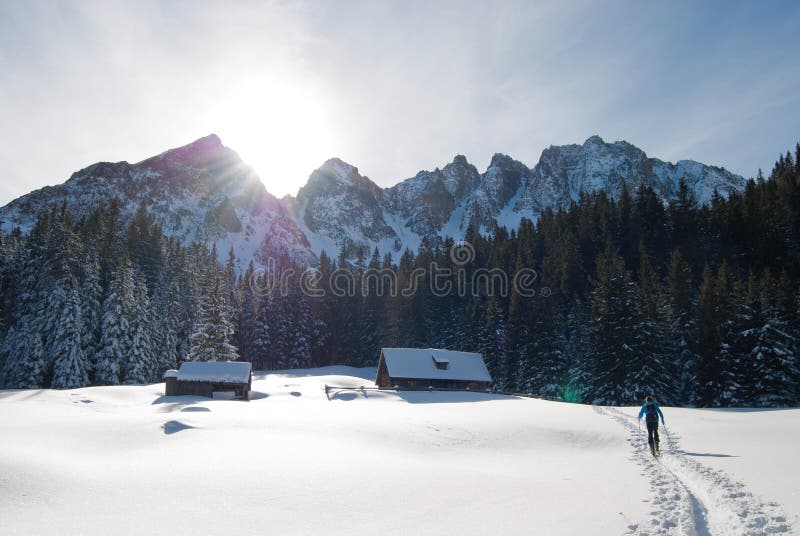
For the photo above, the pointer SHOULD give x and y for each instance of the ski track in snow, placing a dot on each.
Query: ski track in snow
(692, 499)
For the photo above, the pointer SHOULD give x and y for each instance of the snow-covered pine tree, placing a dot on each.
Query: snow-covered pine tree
(248, 314)
(64, 326)
(110, 242)
(92, 297)
(71, 366)
(325, 340)
(613, 319)
(144, 245)
(576, 351)
(708, 367)
(233, 298)
(166, 312)
(372, 321)
(23, 348)
(320, 337)
(211, 338)
(116, 341)
(25, 363)
(299, 346)
(280, 331)
(773, 359)
(739, 316)
(262, 338)
(492, 338)
(561, 326)
(681, 292)
(400, 311)
(178, 266)
(141, 364)
(347, 309)
(546, 370)
(655, 373)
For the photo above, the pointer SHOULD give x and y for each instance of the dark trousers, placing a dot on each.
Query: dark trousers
(652, 433)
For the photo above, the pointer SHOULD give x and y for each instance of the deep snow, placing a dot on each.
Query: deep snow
(128, 460)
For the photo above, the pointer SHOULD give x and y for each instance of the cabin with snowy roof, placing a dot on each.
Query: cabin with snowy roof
(421, 368)
(204, 378)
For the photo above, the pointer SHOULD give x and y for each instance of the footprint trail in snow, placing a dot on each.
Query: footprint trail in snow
(692, 499)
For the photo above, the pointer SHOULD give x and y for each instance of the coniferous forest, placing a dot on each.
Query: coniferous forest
(698, 305)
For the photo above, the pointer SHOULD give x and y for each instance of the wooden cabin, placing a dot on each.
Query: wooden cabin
(204, 378)
(421, 368)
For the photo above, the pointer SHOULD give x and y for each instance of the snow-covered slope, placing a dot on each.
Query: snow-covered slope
(128, 460)
(204, 192)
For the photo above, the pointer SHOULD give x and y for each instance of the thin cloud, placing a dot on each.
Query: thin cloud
(405, 86)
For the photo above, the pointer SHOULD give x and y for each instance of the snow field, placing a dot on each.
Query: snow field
(293, 461)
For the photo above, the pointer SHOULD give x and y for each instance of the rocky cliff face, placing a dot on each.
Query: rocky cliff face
(339, 207)
(204, 192)
(427, 201)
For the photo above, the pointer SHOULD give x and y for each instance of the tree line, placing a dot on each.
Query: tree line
(696, 304)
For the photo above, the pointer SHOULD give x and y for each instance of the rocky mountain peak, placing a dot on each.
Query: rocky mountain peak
(343, 206)
(199, 153)
(459, 177)
(336, 176)
(500, 160)
(337, 167)
(109, 170)
(498, 185)
(459, 160)
(594, 141)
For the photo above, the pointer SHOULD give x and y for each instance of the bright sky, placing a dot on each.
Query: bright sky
(391, 87)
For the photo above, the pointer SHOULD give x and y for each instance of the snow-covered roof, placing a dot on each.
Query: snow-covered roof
(215, 371)
(171, 373)
(420, 363)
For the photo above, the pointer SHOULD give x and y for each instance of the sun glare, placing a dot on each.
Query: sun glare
(283, 130)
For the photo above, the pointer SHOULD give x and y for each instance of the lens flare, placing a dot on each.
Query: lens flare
(281, 127)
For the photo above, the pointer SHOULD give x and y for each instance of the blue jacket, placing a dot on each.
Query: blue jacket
(644, 410)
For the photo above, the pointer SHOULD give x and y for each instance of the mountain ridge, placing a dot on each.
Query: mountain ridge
(204, 191)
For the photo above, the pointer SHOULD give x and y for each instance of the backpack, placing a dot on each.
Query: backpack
(651, 413)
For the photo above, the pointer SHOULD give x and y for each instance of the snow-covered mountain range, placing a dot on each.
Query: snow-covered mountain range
(205, 192)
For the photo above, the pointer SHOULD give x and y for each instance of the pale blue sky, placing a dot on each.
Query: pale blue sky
(392, 87)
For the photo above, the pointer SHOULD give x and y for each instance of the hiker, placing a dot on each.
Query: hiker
(652, 411)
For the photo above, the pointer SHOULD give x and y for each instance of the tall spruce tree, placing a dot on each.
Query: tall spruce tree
(116, 343)
(707, 335)
(141, 363)
(211, 339)
(71, 365)
(682, 327)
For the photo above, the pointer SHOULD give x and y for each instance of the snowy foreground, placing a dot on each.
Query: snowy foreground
(127, 460)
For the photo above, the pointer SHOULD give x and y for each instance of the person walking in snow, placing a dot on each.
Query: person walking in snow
(651, 411)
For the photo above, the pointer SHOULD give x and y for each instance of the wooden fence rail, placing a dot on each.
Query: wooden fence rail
(362, 388)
